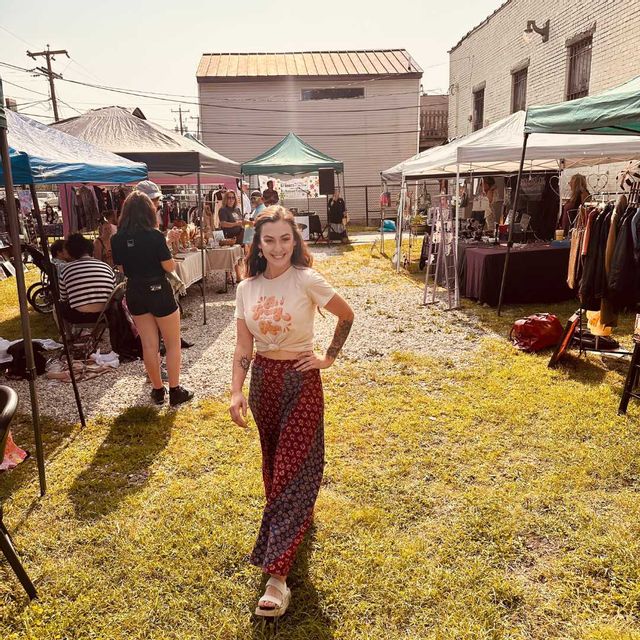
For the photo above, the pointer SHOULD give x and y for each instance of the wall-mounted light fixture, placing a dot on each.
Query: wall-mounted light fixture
(531, 30)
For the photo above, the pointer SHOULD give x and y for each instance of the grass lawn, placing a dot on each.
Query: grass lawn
(492, 500)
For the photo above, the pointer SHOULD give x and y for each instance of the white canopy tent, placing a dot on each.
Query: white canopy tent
(498, 149)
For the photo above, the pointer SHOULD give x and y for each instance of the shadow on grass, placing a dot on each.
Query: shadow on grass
(305, 617)
(56, 437)
(121, 466)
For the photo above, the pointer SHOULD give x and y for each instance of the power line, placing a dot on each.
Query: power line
(222, 106)
(13, 84)
(17, 37)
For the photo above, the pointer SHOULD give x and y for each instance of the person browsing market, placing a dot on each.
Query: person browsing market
(142, 251)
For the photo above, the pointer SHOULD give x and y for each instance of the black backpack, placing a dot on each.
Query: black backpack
(18, 366)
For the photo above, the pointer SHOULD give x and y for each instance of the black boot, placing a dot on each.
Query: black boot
(178, 395)
(157, 395)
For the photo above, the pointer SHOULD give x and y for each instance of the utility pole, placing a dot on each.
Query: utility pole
(197, 119)
(180, 111)
(49, 55)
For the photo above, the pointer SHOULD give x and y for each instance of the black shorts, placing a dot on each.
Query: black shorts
(150, 295)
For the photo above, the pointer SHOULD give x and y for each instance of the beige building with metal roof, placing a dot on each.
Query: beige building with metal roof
(360, 107)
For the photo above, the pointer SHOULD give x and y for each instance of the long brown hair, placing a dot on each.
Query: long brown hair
(257, 263)
(138, 213)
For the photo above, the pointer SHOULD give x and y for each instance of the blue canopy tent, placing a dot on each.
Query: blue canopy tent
(43, 155)
(32, 153)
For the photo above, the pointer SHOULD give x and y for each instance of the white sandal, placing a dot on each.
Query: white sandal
(281, 603)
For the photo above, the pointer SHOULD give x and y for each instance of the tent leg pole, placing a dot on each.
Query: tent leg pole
(512, 219)
(202, 253)
(456, 192)
(403, 189)
(382, 190)
(56, 302)
(560, 172)
(22, 299)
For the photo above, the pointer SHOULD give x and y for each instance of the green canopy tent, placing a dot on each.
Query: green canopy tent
(612, 112)
(291, 156)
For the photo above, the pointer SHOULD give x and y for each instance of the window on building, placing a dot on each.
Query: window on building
(333, 94)
(579, 68)
(519, 90)
(478, 109)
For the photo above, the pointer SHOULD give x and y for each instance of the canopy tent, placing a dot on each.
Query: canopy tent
(33, 153)
(498, 149)
(606, 115)
(614, 111)
(291, 156)
(131, 136)
(394, 174)
(41, 155)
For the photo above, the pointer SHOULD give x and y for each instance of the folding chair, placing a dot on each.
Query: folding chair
(87, 344)
(8, 406)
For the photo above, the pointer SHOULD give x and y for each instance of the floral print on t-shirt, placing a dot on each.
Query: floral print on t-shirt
(271, 317)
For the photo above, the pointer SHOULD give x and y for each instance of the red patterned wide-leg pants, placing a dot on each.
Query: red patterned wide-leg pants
(288, 407)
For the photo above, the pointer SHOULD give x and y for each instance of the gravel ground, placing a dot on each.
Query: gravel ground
(388, 319)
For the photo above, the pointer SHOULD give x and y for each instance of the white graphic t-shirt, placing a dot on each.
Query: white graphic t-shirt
(280, 311)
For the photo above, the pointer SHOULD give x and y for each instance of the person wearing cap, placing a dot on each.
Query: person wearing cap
(152, 191)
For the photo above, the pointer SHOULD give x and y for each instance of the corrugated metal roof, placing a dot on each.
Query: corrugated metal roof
(381, 62)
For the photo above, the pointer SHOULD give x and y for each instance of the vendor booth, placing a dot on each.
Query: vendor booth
(34, 153)
(292, 156)
(166, 155)
(498, 150)
(605, 115)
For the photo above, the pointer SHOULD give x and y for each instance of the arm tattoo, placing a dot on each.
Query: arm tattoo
(339, 338)
(245, 362)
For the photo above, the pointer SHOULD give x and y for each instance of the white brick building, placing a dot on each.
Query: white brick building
(592, 45)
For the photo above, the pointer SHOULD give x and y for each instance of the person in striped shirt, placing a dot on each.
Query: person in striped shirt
(85, 283)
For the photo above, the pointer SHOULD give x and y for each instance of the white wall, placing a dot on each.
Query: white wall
(322, 124)
(494, 49)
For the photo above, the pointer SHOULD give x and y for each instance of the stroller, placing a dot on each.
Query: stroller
(39, 294)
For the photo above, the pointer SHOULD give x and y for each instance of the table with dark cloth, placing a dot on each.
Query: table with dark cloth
(537, 273)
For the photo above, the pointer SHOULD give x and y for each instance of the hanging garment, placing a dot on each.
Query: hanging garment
(577, 238)
(623, 276)
(592, 274)
(89, 203)
(608, 311)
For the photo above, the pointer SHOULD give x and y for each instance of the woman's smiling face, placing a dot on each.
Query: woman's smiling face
(277, 243)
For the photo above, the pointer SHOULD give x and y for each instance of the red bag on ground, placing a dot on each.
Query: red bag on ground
(537, 332)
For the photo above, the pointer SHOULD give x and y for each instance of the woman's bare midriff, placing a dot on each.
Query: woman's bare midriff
(280, 355)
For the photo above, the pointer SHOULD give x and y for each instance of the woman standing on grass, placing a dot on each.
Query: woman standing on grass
(275, 307)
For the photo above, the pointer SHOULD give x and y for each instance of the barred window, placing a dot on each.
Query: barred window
(519, 90)
(478, 109)
(579, 68)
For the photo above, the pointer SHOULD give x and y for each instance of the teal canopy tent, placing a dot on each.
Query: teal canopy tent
(615, 111)
(291, 156)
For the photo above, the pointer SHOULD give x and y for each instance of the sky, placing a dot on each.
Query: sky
(147, 46)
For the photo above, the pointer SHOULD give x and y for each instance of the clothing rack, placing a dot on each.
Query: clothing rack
(633, 199)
